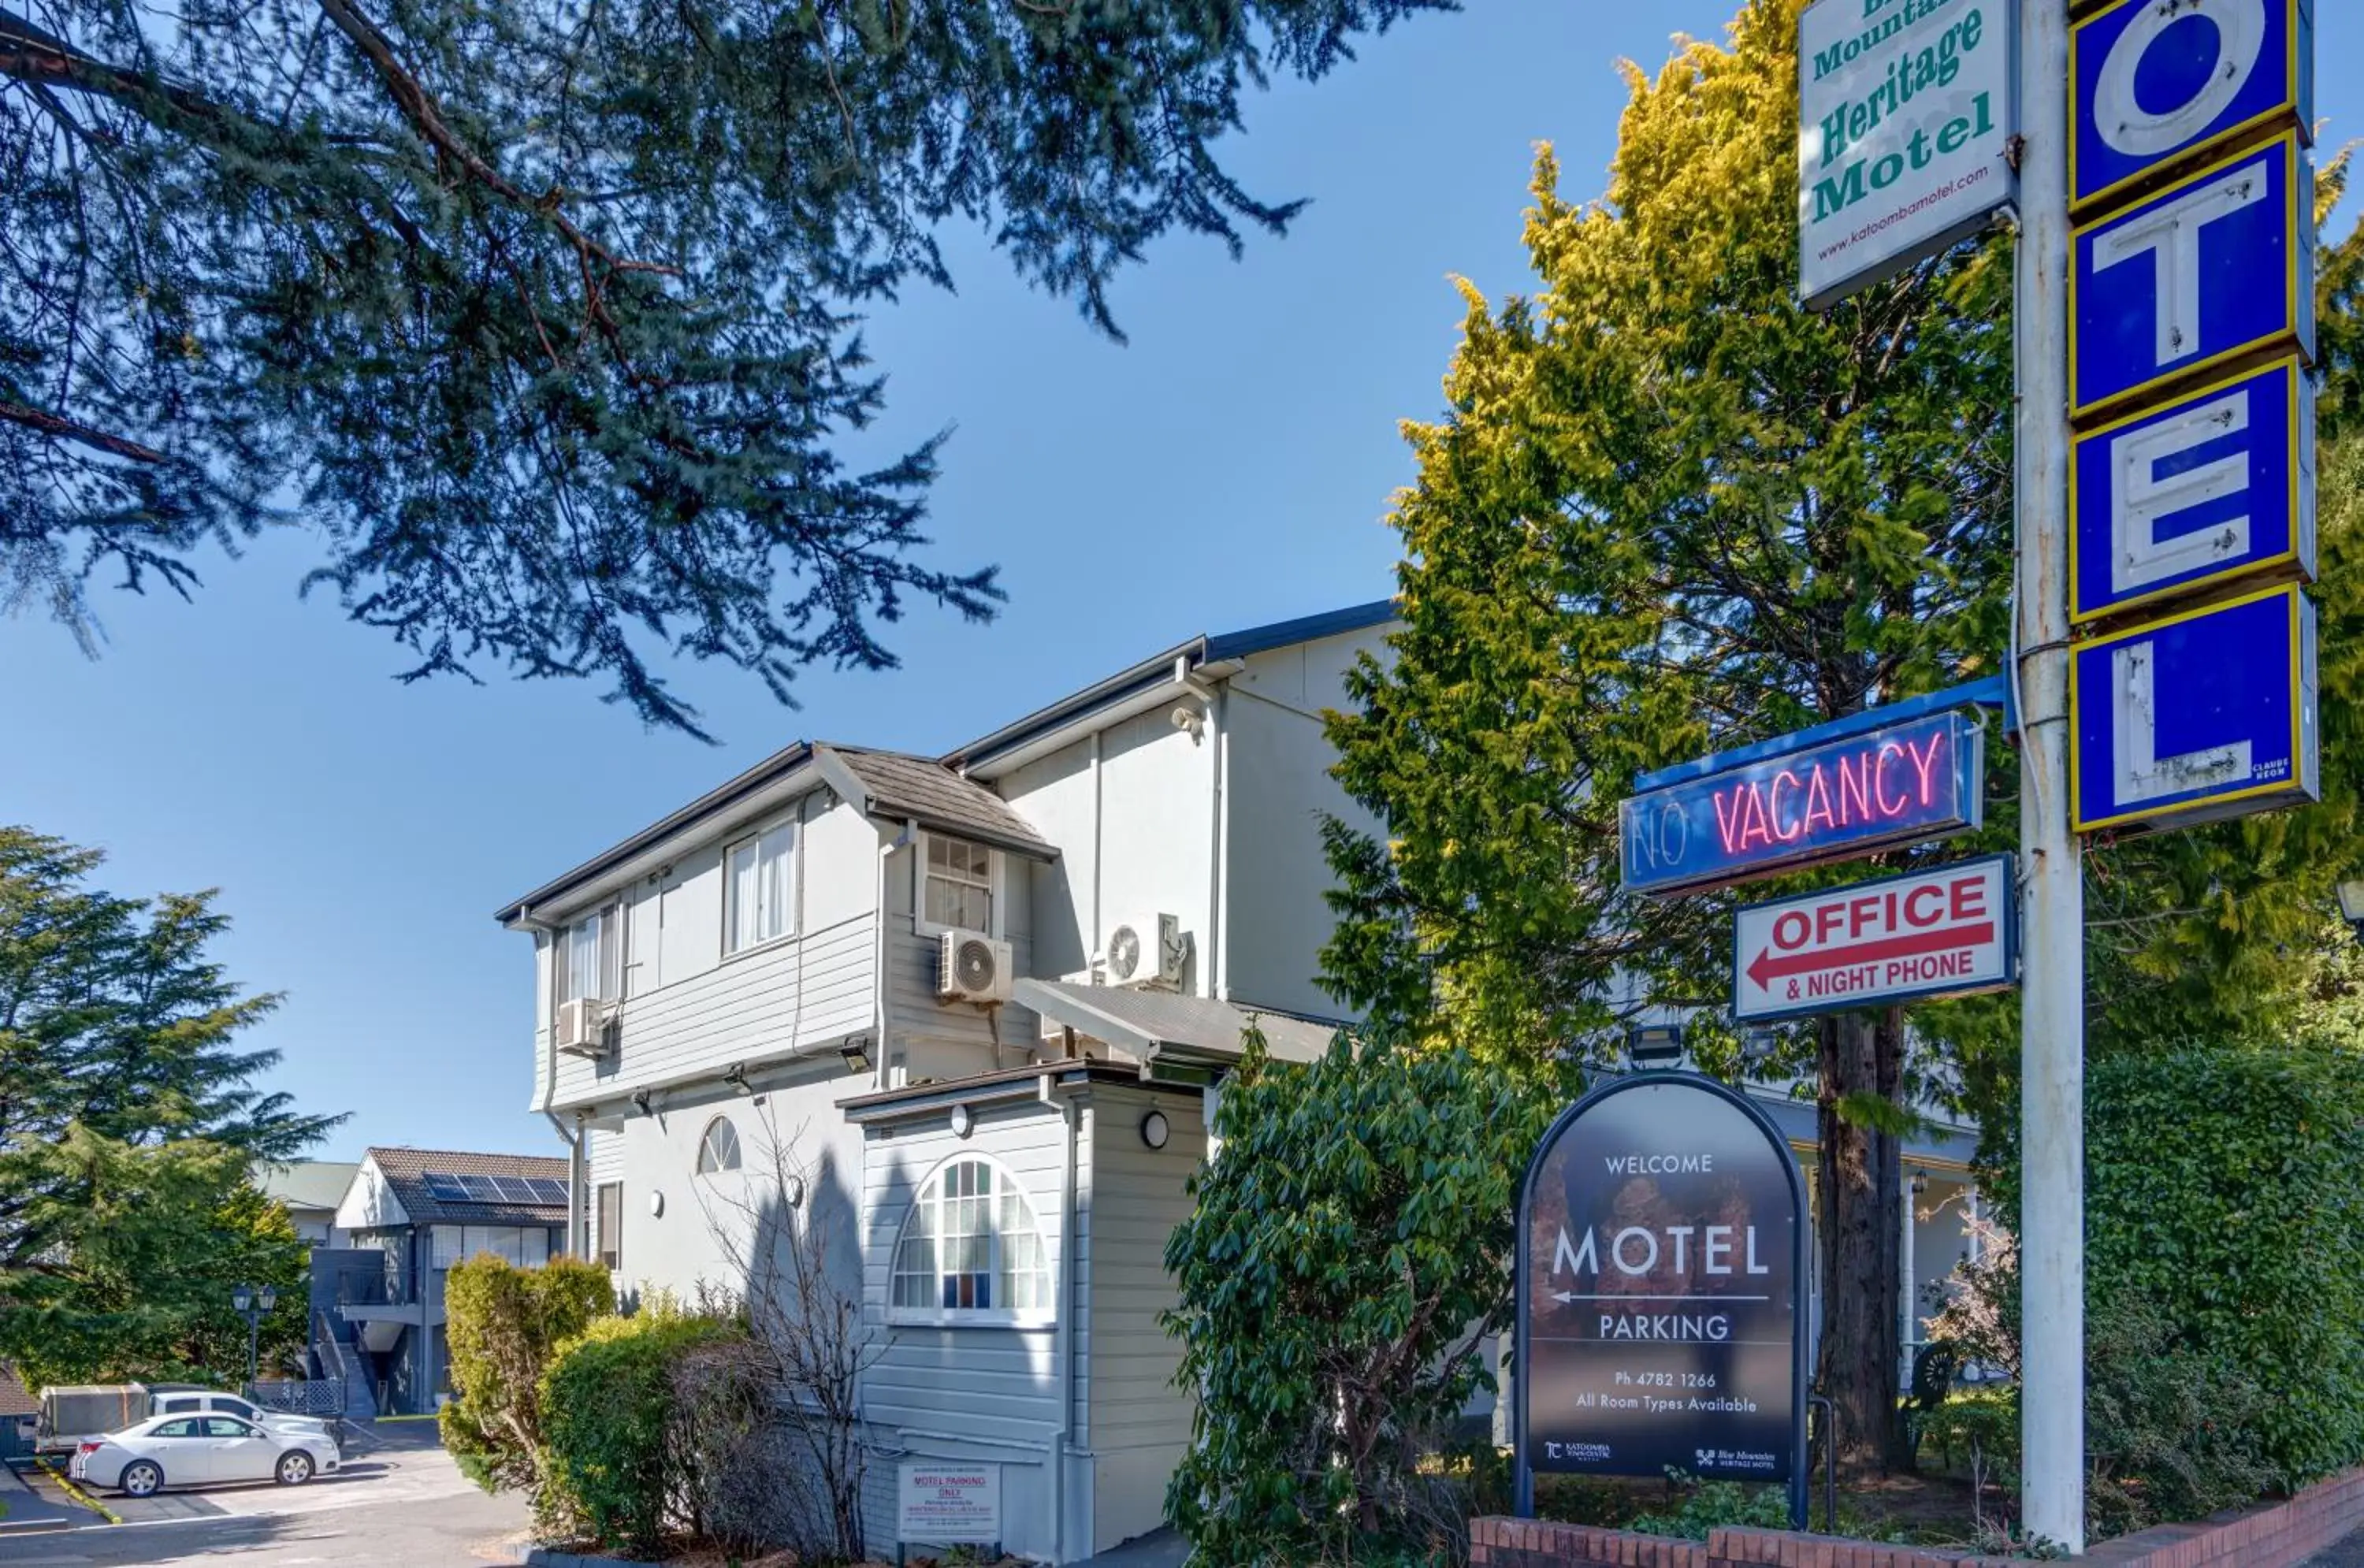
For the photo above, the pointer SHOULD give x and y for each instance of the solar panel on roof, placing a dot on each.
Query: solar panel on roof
(550, 1189)
(445, 1188)
(480, 1189)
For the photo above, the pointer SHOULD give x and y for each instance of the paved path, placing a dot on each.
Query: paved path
(2348, 1553)
(401, 1504)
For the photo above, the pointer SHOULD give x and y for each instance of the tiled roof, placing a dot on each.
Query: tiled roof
(15, 1400)
(405, 1170)
(935, 796)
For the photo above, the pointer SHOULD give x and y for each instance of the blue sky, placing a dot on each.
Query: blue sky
(1231, 466)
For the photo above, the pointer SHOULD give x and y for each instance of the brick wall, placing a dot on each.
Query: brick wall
(2275, 1535)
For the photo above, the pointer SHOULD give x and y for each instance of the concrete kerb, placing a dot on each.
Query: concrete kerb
(550, 1557)
(30, 1513)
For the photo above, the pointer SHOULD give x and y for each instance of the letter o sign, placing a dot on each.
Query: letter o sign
(1792, 929)
(2135, 131)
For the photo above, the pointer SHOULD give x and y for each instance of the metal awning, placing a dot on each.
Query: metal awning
(1151, 1024)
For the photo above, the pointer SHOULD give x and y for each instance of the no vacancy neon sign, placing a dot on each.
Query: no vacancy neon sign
(1839, 801)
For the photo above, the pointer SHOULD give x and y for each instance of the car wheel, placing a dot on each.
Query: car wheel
(141, 1478)
(294, 1468)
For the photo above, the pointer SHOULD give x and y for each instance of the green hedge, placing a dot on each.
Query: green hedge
(2225, 1187)
(503, 1324)
(609, 1428)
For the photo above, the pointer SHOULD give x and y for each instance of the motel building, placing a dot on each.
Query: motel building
(960, 1022)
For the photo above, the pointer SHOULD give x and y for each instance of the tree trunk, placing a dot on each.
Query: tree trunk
(1858, 1218)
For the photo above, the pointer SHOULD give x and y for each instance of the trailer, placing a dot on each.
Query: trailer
(72, 1413)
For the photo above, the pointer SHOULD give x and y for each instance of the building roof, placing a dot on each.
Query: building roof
(1208, 648)
(1152, 1024)
(897, 784)
(406, 1172)
(306, 1184)
(15, 1400)
(932, 795)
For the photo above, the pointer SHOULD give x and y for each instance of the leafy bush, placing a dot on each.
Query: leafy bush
(610, 1427)
(1349, 1251)
(2223, 1191)
(1716, 1505)
(503, 1324)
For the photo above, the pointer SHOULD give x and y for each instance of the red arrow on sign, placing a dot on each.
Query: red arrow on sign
(1764, 969)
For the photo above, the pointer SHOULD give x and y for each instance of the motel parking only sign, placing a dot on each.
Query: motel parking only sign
(1945, 932)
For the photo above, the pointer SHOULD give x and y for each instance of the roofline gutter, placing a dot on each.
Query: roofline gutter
(779, 765)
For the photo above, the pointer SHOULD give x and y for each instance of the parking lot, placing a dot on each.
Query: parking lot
(397, 1500)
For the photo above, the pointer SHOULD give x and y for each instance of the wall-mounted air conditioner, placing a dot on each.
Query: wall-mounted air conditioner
(583, 1026)
(1148, 950)
(972, 967)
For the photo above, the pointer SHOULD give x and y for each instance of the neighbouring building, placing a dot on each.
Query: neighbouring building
(408, 1215)
(960, 1022)
(309, 1190)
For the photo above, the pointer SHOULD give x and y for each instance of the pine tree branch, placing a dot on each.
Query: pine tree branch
(419, 106)
(63, 428)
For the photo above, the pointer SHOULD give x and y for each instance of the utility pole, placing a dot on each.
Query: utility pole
(2052, 1015)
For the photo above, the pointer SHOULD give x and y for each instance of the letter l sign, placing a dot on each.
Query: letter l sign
(2144, 775)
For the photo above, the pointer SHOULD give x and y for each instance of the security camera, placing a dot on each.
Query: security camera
(1185, 716)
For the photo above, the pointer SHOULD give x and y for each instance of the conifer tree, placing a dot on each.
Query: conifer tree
(1667, 512)
(543, 316)
(129, 1118)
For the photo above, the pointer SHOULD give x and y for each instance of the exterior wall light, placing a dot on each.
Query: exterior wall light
(1655, 1045)
(1154, 1130)
(963, 1123)
(2351, 906)
(856, 1053)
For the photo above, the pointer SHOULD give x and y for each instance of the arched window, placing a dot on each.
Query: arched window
(719, 1150)
(971, 1251)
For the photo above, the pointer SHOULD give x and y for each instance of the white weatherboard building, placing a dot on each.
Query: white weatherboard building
(977, 1007)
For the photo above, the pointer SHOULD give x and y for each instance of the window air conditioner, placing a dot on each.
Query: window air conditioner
(972, 967)
(583, 1026)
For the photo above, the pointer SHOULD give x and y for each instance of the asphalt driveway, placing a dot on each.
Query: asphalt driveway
(397, 1502)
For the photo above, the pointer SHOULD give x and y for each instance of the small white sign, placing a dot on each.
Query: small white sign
(1935, 933)
(1904, 116)
(947, 1504)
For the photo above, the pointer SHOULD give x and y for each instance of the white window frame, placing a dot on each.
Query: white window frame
(607, 1246)
(792, 827)
(614, 930)
(997, 885)
(974, 1317)
(738, 1148)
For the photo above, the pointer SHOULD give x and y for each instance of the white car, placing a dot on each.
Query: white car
(199, 1450)
(185, 1401)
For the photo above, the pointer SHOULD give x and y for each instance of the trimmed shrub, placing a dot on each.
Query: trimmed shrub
(1349, 1250)
(503, 1324)
(610, 1430)
(2224, 1278)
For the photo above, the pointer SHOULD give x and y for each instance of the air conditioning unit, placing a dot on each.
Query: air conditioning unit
(1147, 952)
(583, 1026)
(972, 967)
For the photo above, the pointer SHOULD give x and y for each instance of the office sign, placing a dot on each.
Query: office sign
(2204, 715)
(2215, 485)
(1660, 1268)
(947, 1504)
(1923, 779)
(2215, 268)
(2160, 83)
(1905, 116)
(1946, 932)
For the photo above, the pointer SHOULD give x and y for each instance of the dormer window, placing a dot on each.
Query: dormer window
(957, 887)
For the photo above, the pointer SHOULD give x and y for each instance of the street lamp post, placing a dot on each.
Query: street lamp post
(253, 1306)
